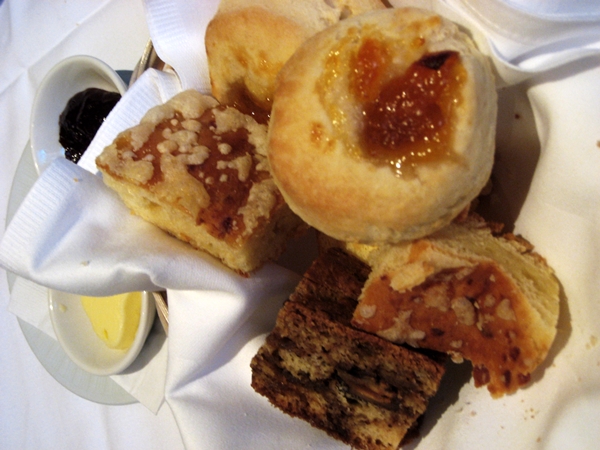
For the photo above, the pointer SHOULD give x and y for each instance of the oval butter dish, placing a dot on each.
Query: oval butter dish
(80, 335)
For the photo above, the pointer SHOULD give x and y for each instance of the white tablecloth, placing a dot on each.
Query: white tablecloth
(37, 412)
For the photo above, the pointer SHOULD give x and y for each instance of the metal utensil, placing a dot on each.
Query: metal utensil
(149, 60)
(162, 309)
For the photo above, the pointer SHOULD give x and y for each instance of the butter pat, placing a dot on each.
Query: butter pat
(116, 318)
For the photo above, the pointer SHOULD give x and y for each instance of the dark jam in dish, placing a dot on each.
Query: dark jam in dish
(81, 118)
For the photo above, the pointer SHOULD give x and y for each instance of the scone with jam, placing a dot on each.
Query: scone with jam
(199, 171)
(382, 126)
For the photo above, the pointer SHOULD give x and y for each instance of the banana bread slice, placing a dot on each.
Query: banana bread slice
(357, 387)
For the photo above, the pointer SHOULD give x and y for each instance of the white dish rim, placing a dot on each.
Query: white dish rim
(66, 312)
(82, 72)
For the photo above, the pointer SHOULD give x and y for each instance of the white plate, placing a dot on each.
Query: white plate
(98, 389)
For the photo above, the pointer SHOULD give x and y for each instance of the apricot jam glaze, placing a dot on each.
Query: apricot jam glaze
(469, 312)
(407, 119)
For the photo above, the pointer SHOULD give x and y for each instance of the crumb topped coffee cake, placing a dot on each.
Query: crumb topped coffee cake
(199, 171)
(359, 388)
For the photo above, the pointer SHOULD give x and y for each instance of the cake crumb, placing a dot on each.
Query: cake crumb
(592, 342)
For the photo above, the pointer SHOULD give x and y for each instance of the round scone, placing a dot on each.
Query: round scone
(248, 41)
(383, 126)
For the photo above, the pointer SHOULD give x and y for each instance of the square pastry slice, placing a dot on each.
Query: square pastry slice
(199, 171)
(357, 387)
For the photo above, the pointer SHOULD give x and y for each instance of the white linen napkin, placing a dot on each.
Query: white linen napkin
(177, 30)
(211, 398)
(523, 41)
(217, 319)
(69, 208)
(74, 234)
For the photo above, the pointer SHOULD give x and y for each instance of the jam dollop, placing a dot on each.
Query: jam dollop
(407, 120)
(242, 100)
(81, 119)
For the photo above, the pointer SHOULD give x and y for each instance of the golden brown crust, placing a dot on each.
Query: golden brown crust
(248, 42)
(465, 292)
(316, 146)
(199, 171)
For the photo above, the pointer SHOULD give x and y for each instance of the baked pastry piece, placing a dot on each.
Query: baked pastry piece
(359, 388)
(383, 126)
(467, 292)
(248, 41)
(199, 171)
